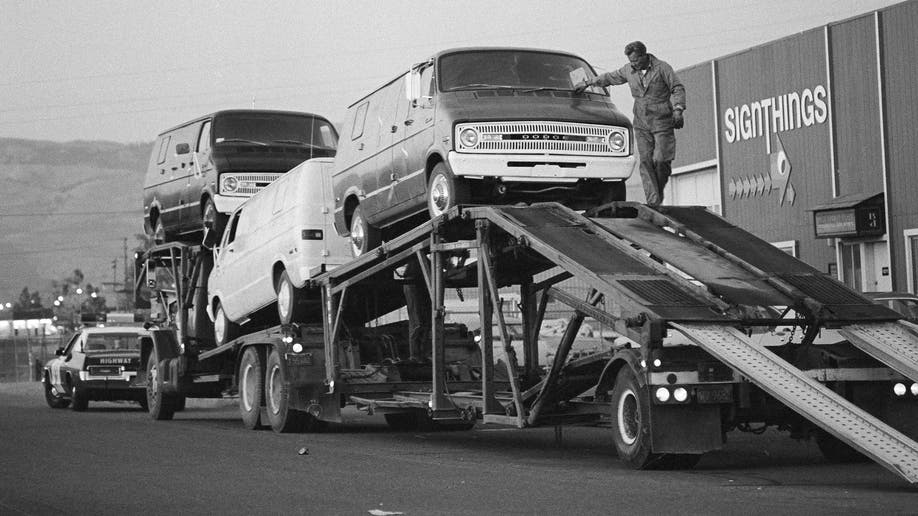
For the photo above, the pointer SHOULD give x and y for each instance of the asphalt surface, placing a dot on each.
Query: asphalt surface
(113, 459)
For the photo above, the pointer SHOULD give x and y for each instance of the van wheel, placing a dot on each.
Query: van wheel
(363, 236)
(214, 222)
(444, 190)
(224, 329)
(251, 387)
(288, 298)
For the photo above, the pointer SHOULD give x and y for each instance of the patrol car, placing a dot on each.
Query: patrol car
(99, 363)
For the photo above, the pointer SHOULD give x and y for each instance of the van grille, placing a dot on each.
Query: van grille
(249, 183)
(542, 138)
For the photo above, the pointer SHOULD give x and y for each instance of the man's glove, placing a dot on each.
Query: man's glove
(582, 87)
(678, 121)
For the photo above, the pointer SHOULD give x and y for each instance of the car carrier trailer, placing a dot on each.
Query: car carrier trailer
(688, 292)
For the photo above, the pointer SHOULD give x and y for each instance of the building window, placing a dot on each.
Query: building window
(851, 265)
(788, 246)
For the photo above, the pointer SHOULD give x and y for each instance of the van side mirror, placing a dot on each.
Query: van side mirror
(413, 85)
(59, 352)
(182, 148)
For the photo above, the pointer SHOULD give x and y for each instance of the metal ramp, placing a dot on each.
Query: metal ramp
(894, 344)
(808, 398)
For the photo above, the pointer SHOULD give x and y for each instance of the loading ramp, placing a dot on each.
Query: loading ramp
(670, 268)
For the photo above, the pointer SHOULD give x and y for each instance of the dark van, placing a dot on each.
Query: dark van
(482, 125)
(202, 170)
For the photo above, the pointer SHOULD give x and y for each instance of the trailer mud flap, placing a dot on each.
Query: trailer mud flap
(812, 400)
(685, 428)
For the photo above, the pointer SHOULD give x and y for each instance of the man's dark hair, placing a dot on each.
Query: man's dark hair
(635, 46)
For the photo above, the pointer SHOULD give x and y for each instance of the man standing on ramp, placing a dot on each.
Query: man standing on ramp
(659, 100)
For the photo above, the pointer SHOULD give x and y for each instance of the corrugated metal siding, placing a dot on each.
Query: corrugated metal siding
(786, 66)
(900, 77)
(855, 106)
(695, 142)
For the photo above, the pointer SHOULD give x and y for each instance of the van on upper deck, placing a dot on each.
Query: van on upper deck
(201, 170)
(478, 125)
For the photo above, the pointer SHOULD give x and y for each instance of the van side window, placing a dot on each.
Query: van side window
(278, 196)
(360, 118)
(204, 139)
(163, 148)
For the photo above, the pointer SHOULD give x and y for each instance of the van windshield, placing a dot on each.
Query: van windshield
(274, 129)
(517, 69)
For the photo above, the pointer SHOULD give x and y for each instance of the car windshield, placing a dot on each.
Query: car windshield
(907, 307)
(511, 69)
(111, 342)
(274, 129)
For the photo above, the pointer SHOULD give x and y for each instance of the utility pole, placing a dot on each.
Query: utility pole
(128, 303)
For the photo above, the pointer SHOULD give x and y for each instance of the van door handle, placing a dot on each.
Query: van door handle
(394, 128)
(393, 176)
(409, 121)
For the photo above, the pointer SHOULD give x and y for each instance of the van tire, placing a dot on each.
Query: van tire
(444, 190)
(213, 222)
(288, 299)
(224, 329)
(251, 387)
(363, 236)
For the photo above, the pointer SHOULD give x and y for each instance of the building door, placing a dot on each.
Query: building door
(865, 266)
(911, 259)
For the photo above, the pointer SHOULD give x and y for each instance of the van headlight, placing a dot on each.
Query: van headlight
(229, 184)
(616, 141)
(468, 138)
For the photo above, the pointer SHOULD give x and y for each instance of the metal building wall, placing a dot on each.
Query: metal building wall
(855, 104)
(899, 49)
(695, 143)
(765, 191)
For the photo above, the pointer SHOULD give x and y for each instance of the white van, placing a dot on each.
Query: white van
(271, 244)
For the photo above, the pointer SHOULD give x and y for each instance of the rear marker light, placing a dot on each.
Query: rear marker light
(662, 394)
(899, 389)
(680, 394)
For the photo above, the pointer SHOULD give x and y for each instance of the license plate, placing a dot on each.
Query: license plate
(714, 394)
(105, 371)
(299, 358)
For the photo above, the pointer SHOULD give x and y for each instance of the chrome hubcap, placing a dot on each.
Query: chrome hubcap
(284, 297)
(440, 197)
(248, 387)
(629, 420)
(274, 386)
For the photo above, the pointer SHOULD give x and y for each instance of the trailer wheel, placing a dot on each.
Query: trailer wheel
(288, 298)
(835, 450)
(160, 404)
(630, 417)
(224, 329)
(251, 387)
(55, 399)
(363, 236)
(283, 418)
(79, 399)
(444, 190)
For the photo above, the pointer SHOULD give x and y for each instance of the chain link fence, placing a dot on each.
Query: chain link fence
(22, 356)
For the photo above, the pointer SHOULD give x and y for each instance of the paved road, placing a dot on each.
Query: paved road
(113, 459)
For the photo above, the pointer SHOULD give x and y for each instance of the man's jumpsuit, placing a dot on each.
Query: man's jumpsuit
(653, 119)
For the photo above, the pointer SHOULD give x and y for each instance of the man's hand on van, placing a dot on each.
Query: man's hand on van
(580, 88)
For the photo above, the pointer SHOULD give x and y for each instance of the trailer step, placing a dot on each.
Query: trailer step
(807, 397)
(894, 344)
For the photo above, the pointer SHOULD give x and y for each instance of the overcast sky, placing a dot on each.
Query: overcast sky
(126, 70)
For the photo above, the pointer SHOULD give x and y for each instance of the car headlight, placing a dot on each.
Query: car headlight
(468, 138)
(616, 141)
(229, 184)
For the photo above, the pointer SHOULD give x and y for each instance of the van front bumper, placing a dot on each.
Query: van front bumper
(541, 168)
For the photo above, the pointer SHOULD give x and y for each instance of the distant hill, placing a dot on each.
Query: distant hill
(66, 206)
